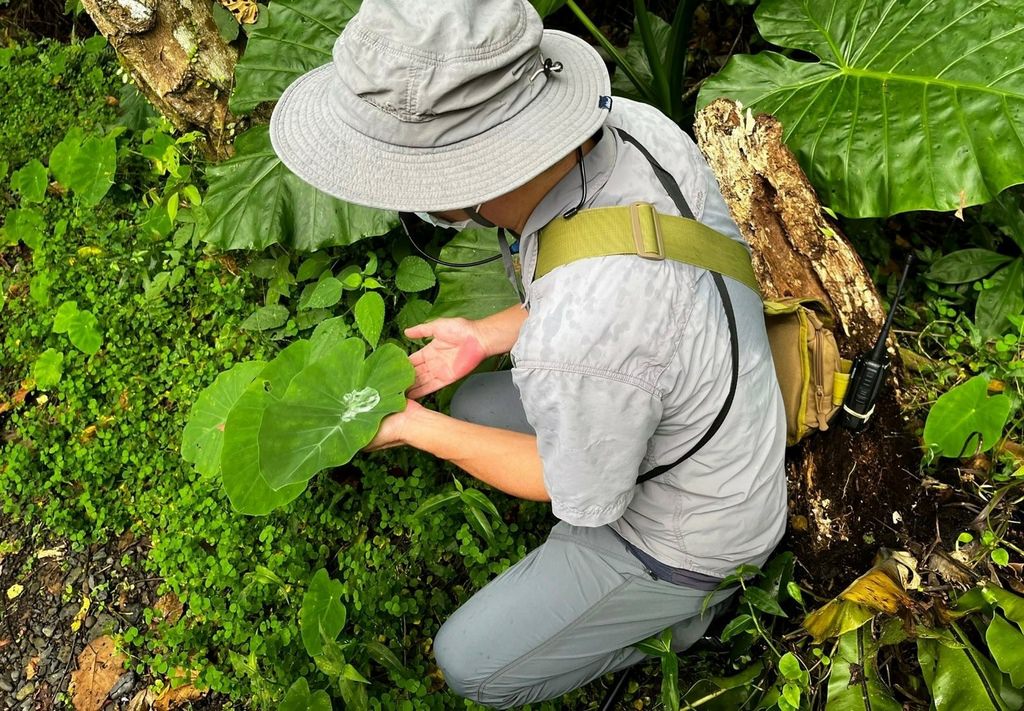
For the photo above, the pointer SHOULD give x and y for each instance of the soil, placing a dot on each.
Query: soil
(43, 626)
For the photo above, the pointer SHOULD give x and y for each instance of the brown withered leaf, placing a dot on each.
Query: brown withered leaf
(100, 665)
(177, 698)
(246, 12)
(169, 607)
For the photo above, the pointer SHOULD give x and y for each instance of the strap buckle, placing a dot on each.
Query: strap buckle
(647, 237)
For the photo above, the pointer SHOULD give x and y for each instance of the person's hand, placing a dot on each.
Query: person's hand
(393, 428)
(456, 349)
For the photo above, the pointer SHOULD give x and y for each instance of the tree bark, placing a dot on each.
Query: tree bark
(848, 492)
(177, 58)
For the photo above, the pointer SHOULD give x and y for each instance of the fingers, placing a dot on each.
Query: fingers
(418, 389)
(422, 330)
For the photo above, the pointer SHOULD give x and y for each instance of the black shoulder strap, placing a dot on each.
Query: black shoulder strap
(672, 188)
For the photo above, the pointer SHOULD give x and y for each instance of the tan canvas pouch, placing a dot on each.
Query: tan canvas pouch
(811, 373)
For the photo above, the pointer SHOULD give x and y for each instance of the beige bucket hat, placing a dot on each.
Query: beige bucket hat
(433, 105)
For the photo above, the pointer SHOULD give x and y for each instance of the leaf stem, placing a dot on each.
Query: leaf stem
(616, 56)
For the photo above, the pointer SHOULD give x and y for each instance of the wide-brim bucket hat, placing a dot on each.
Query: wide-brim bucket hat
(432, 105)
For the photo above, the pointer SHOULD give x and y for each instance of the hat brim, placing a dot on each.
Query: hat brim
(321, 149)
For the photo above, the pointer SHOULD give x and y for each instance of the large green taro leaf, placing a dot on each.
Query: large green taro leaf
(240, 458)
(255, 201)
(472, 292)
(915, 104)
(203, 437)
(331, 410)
(298, 38)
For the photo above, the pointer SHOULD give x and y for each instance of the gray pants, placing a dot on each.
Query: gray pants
(565, 614)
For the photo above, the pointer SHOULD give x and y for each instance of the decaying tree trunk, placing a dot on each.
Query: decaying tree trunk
(848, 493)
(177, 58)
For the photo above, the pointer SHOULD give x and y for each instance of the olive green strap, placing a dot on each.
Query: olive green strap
(639, 229)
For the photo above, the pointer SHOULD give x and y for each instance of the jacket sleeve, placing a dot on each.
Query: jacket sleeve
(593, 430)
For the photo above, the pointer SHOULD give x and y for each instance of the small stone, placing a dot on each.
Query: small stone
(39, 643)
(74, 575)
(89, 621)
(6, 685)
(25, 691)
(68, 611)
(47, 630)
(122, 686)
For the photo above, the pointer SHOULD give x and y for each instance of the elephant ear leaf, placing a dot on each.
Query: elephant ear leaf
(477, 292)
(203, 438)
(298, 38)
(331, 410)
(254, 201)
(914, 105)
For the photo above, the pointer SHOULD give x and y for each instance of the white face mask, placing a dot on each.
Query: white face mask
(444, 224)
(457, 226)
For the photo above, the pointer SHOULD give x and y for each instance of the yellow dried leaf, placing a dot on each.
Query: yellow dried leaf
(80, 616)
(14, 591)
(881, 589)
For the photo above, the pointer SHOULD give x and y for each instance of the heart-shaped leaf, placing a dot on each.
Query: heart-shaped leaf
(203, 438)
(322, 614)
(915, 105)
(414, 274)
(48, 369)
(369, 311)
(966, 419)
(86, 164)
(26, 225)
(30, 181)
(81, 326)
(331, 410)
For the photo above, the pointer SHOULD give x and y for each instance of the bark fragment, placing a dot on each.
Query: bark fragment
(844, 488)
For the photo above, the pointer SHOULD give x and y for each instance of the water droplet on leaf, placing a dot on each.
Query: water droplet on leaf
(358, 402)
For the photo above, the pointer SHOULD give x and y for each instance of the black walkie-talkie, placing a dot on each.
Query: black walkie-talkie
(868, 373)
